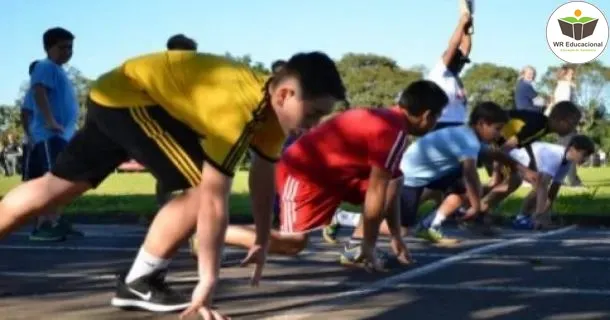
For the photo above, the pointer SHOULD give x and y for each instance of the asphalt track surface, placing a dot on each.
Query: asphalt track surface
(557, 275)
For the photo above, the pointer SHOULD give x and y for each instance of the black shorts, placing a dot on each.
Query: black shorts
(451, 183)
(41, 157)
(168, 148)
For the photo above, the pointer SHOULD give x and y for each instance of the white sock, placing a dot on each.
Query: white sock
(438, 219)
(145, 264)
(347, 219)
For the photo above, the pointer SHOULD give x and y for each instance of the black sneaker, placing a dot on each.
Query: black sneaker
(150, 293)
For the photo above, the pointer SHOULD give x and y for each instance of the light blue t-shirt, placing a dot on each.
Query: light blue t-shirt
(62, 100)
(29, 105)
(437, 153)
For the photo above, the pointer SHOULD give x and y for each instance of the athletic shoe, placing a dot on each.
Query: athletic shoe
(329, 233)
(435, 235)
(351, 256)
(149, 292)
(523, 222)
(69, 230)
(48, 232)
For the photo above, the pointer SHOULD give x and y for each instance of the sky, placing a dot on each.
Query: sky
(412, 32)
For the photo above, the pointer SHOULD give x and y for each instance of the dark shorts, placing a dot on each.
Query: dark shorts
(169, 149)
(451, 183)
(41, 157)
(443, 125)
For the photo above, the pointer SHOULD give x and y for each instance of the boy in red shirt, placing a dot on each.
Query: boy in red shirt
(352, 157)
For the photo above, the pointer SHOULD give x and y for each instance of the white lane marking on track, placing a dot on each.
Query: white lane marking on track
(341, 298)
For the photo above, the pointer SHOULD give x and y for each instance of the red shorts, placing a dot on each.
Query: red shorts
(305, 206)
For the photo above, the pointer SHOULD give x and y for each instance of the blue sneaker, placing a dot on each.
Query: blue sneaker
(523, 222)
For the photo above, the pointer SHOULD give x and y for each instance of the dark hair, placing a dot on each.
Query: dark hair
(181, 42)
(317, 74)
(564, 110)
(54, 35)
(582, 143)
(423, 95)
(32, 66)
(488, 112)
(276, 65)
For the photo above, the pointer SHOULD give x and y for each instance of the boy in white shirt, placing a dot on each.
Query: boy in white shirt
(553, 163)
(446, 74)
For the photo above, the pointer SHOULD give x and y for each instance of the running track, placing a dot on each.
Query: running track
(563, 274)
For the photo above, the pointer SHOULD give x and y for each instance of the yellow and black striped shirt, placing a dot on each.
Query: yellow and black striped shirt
(527, 126)
(214, 96)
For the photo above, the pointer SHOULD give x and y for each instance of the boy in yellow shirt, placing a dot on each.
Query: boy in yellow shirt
(188, 117)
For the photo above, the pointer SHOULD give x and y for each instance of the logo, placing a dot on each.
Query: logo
(577, 32)
(145, 297)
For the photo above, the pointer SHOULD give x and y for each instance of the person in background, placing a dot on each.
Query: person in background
(12, 152)
(565, 90)
(181, 42)
(447, 71)
(27, 113)
(53, 123)
(526, 97)
(175, 42)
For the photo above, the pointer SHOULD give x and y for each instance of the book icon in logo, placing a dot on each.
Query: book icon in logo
(577, 27)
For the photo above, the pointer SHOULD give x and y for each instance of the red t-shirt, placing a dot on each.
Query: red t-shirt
(341, 151)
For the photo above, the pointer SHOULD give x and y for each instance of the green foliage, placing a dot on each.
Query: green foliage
(490, 82)
(592, 94)
(373, 80)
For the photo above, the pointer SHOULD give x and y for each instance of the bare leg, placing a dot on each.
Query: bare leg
(36, 197)
(279, 243)
(174, 223)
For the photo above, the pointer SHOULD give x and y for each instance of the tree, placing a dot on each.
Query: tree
(592, 95)
(247, 60)
(491, 82)
(82, 85)
(373, 80)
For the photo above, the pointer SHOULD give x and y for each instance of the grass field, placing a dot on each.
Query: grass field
(133, 193)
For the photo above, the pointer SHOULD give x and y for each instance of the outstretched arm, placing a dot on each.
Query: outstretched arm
(456, 39)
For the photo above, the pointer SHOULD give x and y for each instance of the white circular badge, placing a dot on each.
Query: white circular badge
(577, 32)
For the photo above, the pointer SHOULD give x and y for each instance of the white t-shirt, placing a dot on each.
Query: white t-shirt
(549, 159)
(455, 111)
(563, 91)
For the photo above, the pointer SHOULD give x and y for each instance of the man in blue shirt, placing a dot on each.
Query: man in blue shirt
(526, 97)
(55, 114)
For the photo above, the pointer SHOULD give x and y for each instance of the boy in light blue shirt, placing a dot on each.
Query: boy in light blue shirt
(446, 160)
(55, 115)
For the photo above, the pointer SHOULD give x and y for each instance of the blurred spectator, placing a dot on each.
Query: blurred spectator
(526, 97)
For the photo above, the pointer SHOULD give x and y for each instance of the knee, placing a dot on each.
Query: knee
(296, 245)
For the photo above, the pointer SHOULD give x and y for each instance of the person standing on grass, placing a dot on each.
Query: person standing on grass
(53, 124)
(27, 113)
(526, 97)
(175, 42)
(565, 90)
(446, 73)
